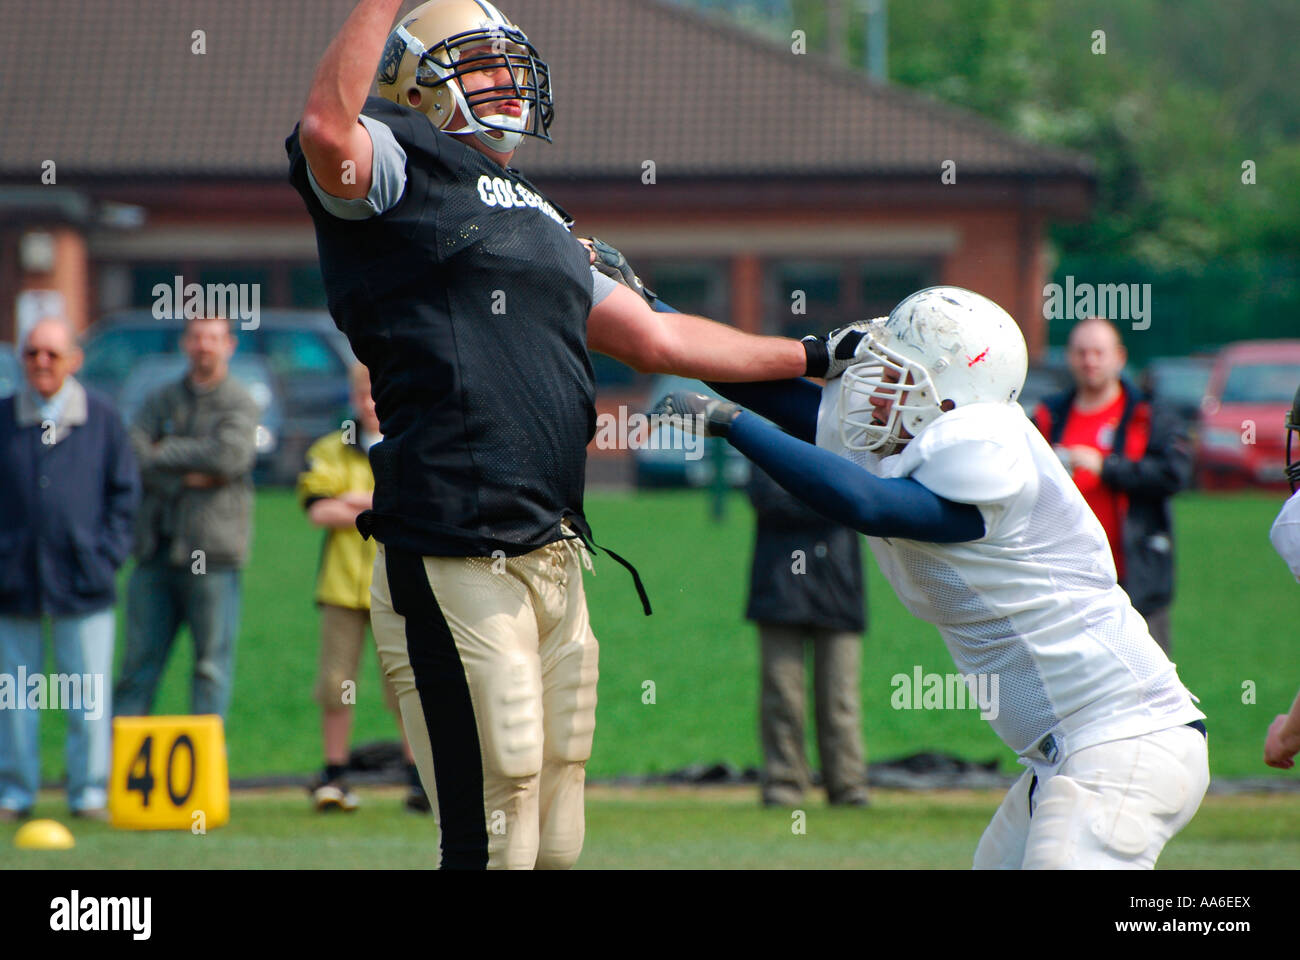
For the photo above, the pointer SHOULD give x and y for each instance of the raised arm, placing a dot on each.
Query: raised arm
(329, 131)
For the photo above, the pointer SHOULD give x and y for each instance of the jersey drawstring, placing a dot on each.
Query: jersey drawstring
(590, 544)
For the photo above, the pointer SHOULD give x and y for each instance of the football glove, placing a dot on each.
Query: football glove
(696, 413)
(614, 265)
(831, 355)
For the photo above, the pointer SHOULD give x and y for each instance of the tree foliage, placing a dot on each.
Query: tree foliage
(1186, 92)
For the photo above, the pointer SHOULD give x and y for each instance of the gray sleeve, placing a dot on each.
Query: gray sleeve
(601, 286)
(387, 177)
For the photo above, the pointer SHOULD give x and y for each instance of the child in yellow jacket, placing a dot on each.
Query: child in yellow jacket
(336, 487)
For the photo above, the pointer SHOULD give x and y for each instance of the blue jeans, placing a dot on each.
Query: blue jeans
(83, 646)
(159, 598)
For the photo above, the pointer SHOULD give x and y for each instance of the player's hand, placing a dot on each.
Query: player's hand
(614, 265)
(1087, 459)
(696, 413)
(197, 480)
(1278, 749)
(831, 355)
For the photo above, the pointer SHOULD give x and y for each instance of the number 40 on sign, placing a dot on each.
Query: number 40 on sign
(169, 773)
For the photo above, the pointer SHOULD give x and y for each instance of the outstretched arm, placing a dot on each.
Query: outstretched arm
(833, 486)
(790, 404)
(635, 326)
(624, 327)
(844, 492)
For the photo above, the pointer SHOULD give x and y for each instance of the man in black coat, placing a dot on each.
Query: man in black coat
(806, 588)
(1128, 457)
(69, 488)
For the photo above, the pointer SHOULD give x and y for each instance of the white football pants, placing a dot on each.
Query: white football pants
(1109, 807)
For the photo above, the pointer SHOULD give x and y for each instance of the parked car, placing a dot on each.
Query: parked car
(664, 461)
(1243, 415)
(1179, 383)
(306, 353)
(11, 370)
(150, 374)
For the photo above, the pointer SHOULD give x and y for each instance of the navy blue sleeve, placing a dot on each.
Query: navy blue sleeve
(848, 494)
(790, 404)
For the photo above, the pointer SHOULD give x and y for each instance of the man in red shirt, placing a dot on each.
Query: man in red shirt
(1127, 458)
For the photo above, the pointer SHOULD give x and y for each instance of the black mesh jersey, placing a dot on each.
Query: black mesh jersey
(468, 302)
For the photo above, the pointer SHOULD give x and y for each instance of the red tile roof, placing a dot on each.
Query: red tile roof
(111, 87)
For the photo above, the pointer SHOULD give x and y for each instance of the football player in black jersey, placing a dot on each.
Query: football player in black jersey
(461, 288)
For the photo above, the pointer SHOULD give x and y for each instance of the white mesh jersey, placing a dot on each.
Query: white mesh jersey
(1285, 534)
(1034, 601)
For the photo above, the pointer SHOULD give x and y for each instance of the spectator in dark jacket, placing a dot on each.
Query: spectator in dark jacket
(806, 589)
(68, 495)
(196, 443)
(1128, 457)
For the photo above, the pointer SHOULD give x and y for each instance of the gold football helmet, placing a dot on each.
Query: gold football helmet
(440, 43)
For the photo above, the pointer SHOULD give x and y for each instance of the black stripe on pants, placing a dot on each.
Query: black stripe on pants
(448, 712)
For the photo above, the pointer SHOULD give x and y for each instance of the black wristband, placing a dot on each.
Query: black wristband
(819, 356)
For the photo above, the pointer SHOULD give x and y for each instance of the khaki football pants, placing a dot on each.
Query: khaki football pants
(1109, 807)
(495, 666)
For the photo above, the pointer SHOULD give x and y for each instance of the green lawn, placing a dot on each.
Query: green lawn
(650, 829)
(1233, 626)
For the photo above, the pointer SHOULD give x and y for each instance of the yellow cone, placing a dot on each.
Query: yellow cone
(43, 835)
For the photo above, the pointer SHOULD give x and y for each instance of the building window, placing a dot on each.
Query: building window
(886, 282)
(694, 287)
(691, 287)
(145, 276)
(809, 297)
(814, 296)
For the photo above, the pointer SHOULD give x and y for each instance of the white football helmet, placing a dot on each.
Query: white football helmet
(940, 344)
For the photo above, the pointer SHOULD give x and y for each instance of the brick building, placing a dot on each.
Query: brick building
(777, 177)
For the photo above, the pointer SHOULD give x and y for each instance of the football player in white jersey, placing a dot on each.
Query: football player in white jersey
(921, 445)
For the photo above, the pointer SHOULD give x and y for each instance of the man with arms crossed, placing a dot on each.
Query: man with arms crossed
(973, 520)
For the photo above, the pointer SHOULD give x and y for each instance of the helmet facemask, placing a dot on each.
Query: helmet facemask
(441, 70)
(1292, 428)
(915, 399)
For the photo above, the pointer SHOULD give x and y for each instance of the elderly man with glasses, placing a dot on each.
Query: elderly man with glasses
(69, 488)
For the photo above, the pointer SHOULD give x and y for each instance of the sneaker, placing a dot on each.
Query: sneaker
(10, 815)
(330, 795)
(92, 813)
(417, 801)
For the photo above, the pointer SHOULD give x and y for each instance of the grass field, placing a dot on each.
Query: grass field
(652, 828)
(1233, 624)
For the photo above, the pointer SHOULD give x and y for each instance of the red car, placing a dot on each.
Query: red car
(1243, 415)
